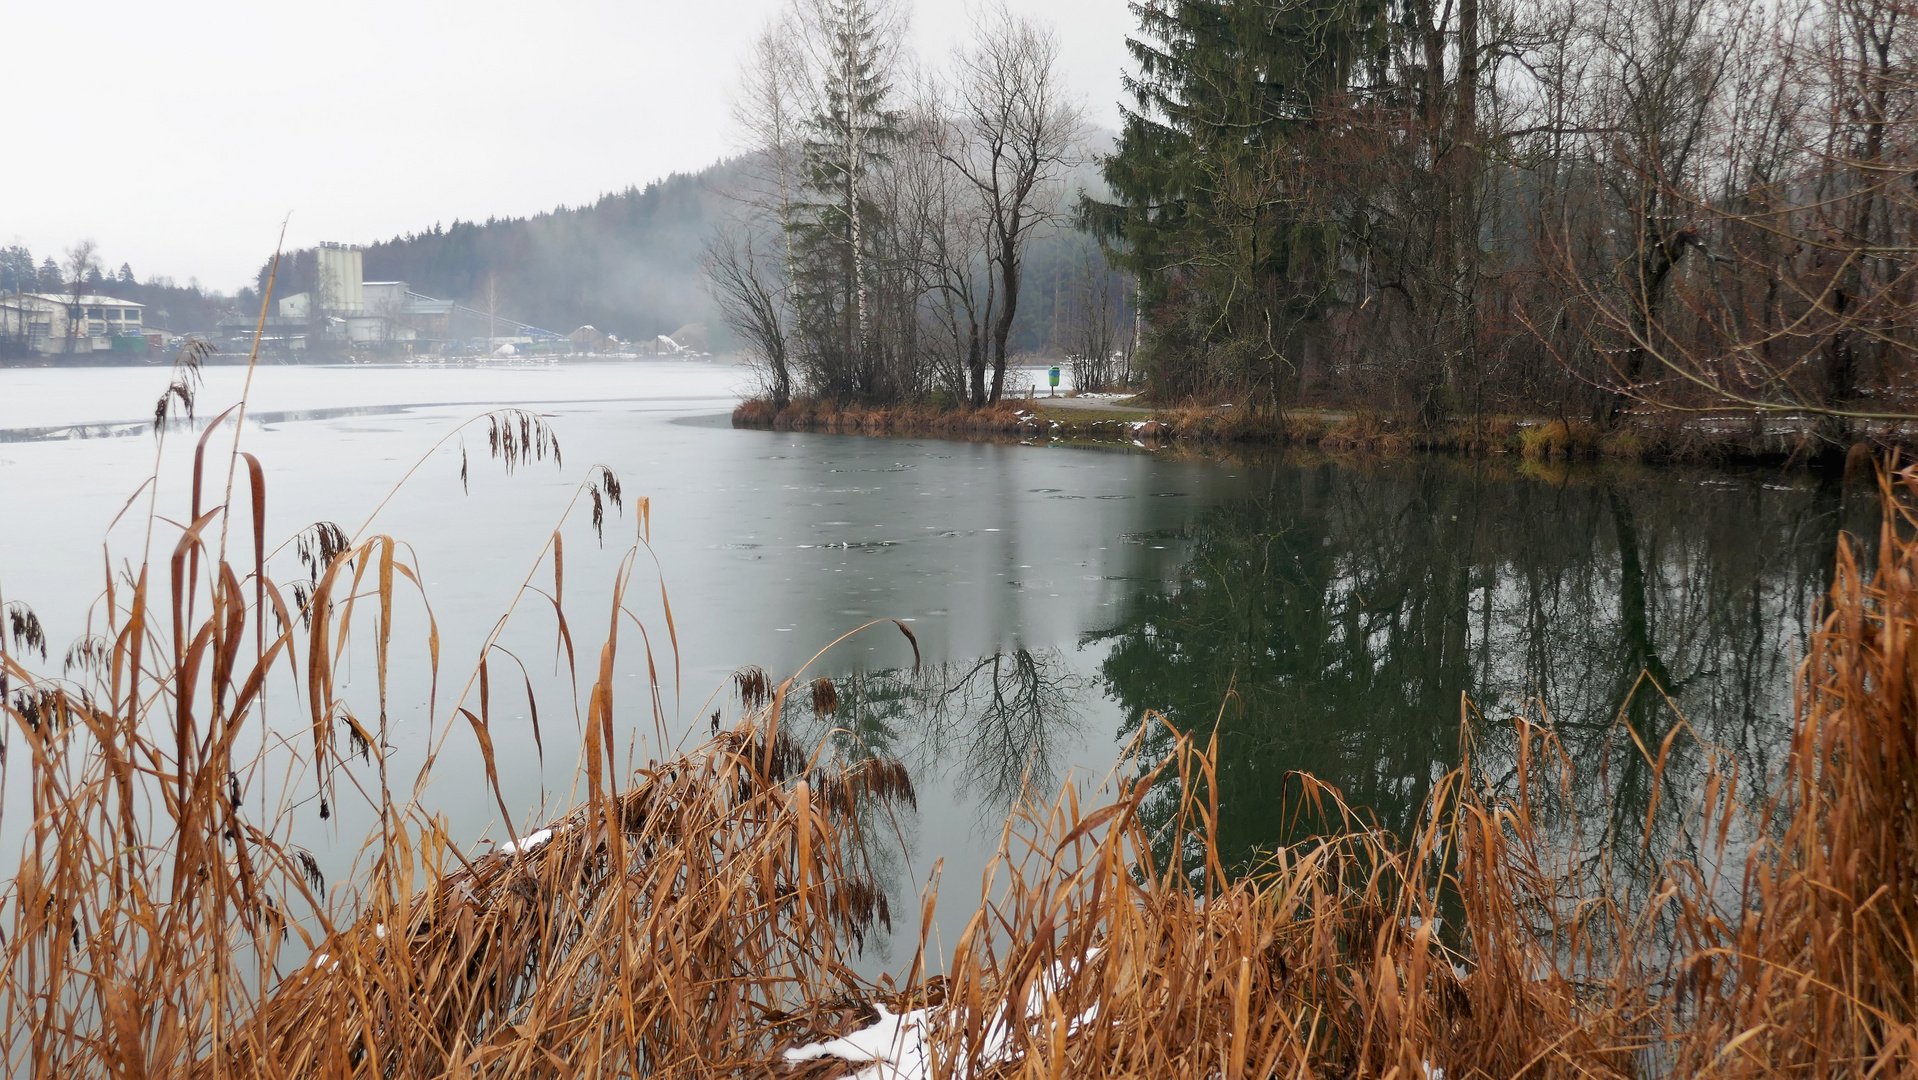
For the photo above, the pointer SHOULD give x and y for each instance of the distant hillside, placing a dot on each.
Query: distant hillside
(628, 264)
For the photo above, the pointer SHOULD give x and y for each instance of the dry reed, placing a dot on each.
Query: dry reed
(696, 917)
(1657, 437)
(1777, 940)
(162, 921)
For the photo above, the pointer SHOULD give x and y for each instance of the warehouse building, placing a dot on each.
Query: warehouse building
(51, 323)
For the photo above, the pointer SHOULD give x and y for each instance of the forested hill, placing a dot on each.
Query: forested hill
(627, 264)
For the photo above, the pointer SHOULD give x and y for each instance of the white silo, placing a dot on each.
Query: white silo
(341, 281)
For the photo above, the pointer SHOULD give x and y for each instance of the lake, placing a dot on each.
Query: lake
(1325, 615)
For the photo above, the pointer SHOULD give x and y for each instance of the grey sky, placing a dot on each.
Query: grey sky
(179, 134)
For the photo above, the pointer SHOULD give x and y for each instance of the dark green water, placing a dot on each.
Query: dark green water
(1345, 619)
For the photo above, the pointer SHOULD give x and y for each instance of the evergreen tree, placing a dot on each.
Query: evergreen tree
(838, 227)
(1285, 159)
(1232, 245)
(49, 278)
(125, 276)
(16, 269)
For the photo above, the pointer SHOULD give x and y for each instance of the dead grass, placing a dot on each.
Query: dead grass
(662, 929)
(1494, 943)
(1015, 420)
(1669, 438)
(695, 917)
(161, 921)
(807, 414)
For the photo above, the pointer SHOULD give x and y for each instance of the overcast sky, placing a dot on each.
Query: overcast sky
(178, 135)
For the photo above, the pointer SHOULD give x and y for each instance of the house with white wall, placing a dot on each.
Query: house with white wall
(53, 323)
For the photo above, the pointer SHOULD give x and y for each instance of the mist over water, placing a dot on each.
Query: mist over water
(1319, 615)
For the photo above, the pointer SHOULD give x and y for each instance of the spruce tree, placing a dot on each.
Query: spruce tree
(1274, 156)
(16, 269)
(852, 133)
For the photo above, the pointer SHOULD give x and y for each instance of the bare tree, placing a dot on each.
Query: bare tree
(753, 306)
(851, 52)
(1100, 340)
(949, 240)
(1868, 65)
(1018, 132)
(490, 299)
(749, 265)
(1776, 159)
(1000, 720)
(879, 244)
(1666, 66)
(391, 309)
(769, 115)
(81, 264)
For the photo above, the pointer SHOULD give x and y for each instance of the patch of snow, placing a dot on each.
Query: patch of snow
(892, 1047)
(526, 843)
(998, 1037)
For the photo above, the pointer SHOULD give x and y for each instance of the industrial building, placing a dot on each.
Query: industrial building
(51, 323)
(346, 312)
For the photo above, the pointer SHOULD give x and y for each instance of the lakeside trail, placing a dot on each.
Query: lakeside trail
(698, 914)
(1114, 419)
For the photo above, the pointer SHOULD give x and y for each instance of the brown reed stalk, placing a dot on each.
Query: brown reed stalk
(1816, 973)
(695, 918)
(1487, 945)
(159, 923)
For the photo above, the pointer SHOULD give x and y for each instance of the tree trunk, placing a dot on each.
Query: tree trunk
(1009, 308)
(976, 364)
(1465, 200)
(1841, 353)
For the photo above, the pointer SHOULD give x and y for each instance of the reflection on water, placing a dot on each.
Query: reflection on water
(1323, 616)
(1336, 621)
(992, 728)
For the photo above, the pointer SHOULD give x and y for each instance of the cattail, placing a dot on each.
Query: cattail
(755, 689)
(825, 699)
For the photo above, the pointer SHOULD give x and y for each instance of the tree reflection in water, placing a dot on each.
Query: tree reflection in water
(992, 726)
(1337, 621)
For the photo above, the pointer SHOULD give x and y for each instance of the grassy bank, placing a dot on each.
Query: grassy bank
(1648, 439)
(1007, 421)
(698, 915)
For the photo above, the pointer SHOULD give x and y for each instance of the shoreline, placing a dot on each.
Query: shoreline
(1788, 442)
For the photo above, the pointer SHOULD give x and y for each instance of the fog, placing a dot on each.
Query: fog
(181, 136)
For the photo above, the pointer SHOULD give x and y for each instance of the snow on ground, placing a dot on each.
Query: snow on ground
(526, 843)
(893, 1047)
